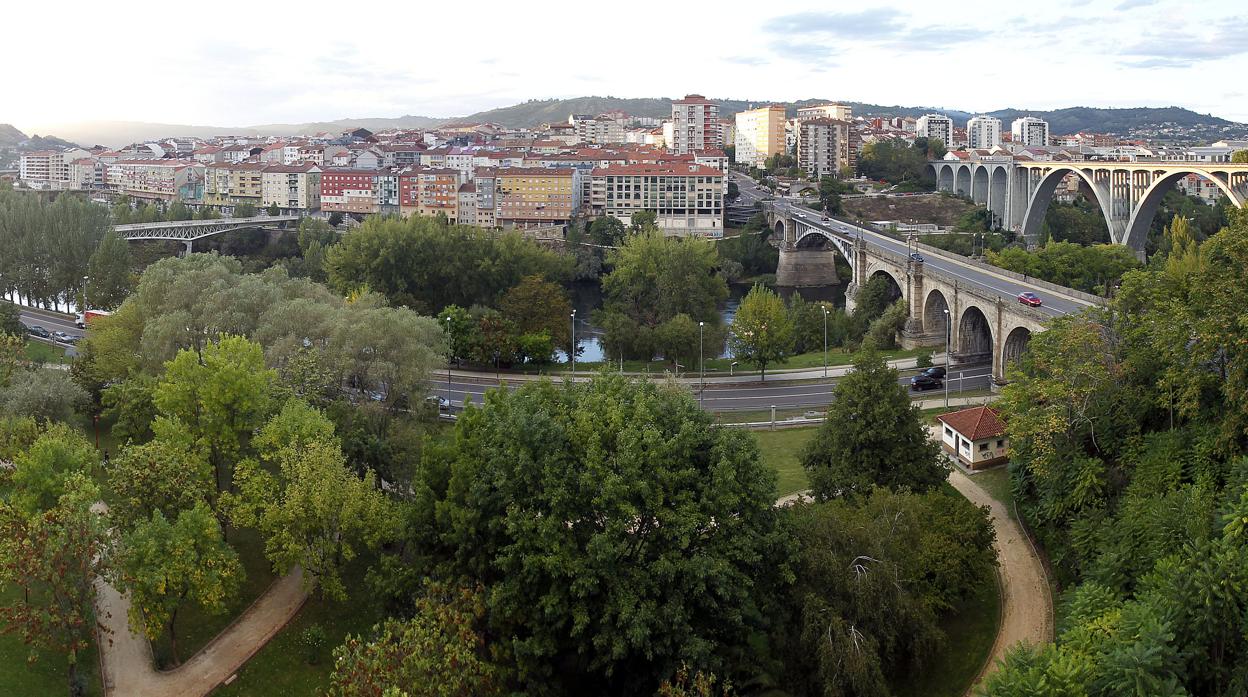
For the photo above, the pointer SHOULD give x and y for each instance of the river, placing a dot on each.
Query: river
(587, 297)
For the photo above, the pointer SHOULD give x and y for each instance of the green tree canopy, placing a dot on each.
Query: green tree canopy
(762, 331)
(169, 474)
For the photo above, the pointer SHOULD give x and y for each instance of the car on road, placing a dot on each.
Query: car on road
(925, 382)
(1029, 298)
(442, 403)
(826, 219)
(915, 256)
(61, 337)
(40, 332)
(935, 371)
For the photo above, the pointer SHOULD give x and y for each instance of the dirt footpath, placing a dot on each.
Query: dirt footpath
(1026, 606)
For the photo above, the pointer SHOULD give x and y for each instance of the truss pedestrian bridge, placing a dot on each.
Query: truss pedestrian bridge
(1128, 193)
(187, 231)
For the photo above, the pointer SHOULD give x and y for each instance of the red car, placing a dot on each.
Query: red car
(1029, 298)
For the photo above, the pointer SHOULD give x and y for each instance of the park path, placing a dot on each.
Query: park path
(126, 658)
(1026, 604)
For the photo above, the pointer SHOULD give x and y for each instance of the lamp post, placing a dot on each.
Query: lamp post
(948, 333)
(450, 354)
(825, 341)
(701, 366)
(573, 354)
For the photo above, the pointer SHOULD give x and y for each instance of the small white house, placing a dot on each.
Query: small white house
(975, 436)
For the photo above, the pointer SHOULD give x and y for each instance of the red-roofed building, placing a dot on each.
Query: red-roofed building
(687, 199)
(349, 191)
(975, 436)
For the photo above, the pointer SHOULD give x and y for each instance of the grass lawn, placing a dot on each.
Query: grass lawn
(996, 482)
(781, 451)
(282, 668)
(39, 352)
(970, 631)
(195, 627)
(47, 675)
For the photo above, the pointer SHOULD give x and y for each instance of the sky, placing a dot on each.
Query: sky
(232, 63)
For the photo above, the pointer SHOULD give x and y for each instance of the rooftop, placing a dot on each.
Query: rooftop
(975, 423)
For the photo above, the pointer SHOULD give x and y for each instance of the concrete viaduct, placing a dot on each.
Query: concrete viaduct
(988, 324)
(1128, 193)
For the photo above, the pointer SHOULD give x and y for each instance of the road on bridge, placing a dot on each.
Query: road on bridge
(966, 273)
(743, 396)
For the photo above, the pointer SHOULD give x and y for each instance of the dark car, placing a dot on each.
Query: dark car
(915, 256)
(925, 382)
(40, 332)
(937, 372)
(1029, 298)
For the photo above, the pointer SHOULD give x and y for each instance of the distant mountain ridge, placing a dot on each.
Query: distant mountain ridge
(538, 111)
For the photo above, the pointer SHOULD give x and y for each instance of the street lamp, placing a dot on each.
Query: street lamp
(948, 333)
(450, 353)
(574, 345)
(701, 366)
(825, 341)
(731, 366)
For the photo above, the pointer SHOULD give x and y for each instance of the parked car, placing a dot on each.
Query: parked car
(1029, 298)
(925, 382)
(916, 257)
(935, 371)
(61, 337)
(826, 219)
(442, 403)
(39, 332)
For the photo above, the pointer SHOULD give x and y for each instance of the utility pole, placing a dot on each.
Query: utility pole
(825, 341)
(573, 354)
(450, 353)
(948, 333)
(701, 367)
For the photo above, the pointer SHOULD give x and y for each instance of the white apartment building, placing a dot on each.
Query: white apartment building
(161, 180)
(49, 169)
(935, 126)
(840, 112)
(1030, 130)
(695, 125)
(983, 133)
(686, 199)
(599, 130)
(294, 187)
(760, 134)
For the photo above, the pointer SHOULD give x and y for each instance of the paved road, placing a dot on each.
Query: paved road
(53, 323)
(1007, 288)
(738, 397)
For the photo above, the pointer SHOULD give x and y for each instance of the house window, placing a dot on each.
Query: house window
(983, 446)
(948, 432)
(1000, 443)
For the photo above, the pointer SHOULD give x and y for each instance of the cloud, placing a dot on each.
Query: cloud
(806, 51)
(876, 23)
(936, 38)
(1179, 48)
(752, 61)
(1134, 4)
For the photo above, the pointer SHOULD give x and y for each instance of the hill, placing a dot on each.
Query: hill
(10, 137)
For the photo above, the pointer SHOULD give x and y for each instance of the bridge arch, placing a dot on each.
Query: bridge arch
(935, 307)
(979, 186)
(1043, 196)
(944, 178)
(1012, 349)
(998, 195)
(962, 181)
(974, 334)
(1142, 217)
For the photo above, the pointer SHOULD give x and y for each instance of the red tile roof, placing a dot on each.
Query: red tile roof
(975, 423)
(674, 170)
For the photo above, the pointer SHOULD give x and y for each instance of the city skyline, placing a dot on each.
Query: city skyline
(279, 65)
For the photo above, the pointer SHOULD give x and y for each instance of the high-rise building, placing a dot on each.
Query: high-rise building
(1029, 131)
(695, 125)
(826, 146)
(935, 126)
(840, 112)
(760, 134)
(983, 133)
(686, 199)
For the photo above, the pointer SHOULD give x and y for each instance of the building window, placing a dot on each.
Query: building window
(1000, 443)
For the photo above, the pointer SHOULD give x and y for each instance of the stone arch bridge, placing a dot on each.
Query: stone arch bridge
(975, 304)
(1128, 193)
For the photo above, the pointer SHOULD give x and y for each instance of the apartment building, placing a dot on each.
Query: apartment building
(429, 191)
(466, 210)
(156, 180)
(349, 191)
(838, 112)
(686, 199)
(983, 133)
(48, 169)
(826, 146)
(246, 183)
(1029, 131)
(600, 130)
(291, 187)
(485, 180)
(760, 134)
(695, 125)
(531, 196)
(936, 126)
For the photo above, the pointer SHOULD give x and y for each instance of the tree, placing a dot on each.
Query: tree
(613, 547)
(762, 331)
(537, 305)
(608, 231)
(41, 473)
(129, 405)
(245, 210)
(109, 279)
(12, 354)
(56, 556)
(1239, 156)
(10, 319)
(315, 513)
(872, 436)
(644, 221)
(164, 565)
(169, 474)
(47, 395)
(273, 209)
(440, 652)
(830, 190)
(220, 396)
(335, 219)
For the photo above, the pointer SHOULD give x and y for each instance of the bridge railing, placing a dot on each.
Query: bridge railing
(174, 224)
